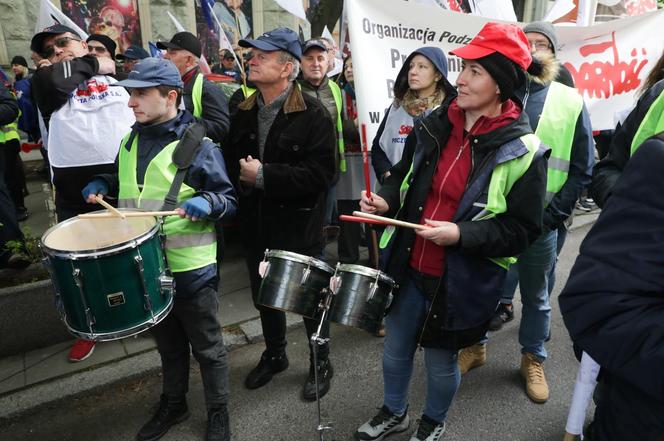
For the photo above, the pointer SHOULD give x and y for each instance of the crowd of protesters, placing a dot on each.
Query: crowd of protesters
(493, 166)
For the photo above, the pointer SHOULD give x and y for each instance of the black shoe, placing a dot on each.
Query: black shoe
(170, 413)
(502, 315)
(325, 373)
(218, 428)
(267, 367)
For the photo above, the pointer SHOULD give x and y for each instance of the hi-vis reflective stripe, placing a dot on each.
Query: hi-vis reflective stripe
(146, 204)
(559, 164)
(190, 240)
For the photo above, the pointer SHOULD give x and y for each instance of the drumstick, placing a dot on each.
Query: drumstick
(389, 221)
(364, 220)
(129, 214)
(109, 207)
(365, 160)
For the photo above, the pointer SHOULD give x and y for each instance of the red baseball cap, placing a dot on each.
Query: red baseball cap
(506, 39)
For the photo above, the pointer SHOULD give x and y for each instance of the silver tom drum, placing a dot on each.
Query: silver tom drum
(361, 296)
(293, 282)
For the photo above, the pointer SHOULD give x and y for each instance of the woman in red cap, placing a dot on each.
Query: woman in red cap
(473, 172)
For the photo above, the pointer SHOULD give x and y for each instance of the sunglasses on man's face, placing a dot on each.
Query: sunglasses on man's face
(61, 43)
(98, 49)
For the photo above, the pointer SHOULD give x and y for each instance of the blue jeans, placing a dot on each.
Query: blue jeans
(402, 329)
(532, 273)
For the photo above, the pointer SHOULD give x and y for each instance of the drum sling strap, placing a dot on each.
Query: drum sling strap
(183, 156)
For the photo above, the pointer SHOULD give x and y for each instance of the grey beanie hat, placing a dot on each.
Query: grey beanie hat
(545, 28)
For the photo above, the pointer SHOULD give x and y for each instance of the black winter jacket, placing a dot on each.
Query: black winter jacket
(298, 167)
(8, 106)
(470, 287)
(613, 302)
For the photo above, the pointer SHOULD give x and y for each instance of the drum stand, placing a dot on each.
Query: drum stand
(316, 340)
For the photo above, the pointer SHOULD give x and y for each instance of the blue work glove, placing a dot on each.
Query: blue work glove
(95, 187)
(195, 208)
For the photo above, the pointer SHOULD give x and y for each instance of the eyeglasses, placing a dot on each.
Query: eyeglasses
(98, 49)
(61, 43)
(539, 45)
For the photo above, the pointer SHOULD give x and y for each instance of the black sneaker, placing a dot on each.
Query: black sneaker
(218, 427)
(22, 214)
(504, 313)
(383, 424)
(265, 370)
(325, 373)
(429, 430)
(170, 413)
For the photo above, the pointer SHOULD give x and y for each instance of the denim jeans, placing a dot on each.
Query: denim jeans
(194, 321)
(532, 273)
(402, 328)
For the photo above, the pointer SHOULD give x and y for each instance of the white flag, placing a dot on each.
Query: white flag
(50, 15)
(560, 9)
(495, 9)
(202, 62)
(178, 25)
(294, 7)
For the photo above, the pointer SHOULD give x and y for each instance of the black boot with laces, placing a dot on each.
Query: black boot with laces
(171, 411)
(218, 428)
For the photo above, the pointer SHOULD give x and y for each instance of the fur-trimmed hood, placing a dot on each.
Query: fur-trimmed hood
(550, 67)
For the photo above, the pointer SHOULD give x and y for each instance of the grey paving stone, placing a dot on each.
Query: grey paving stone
(139, 343)
(12, 373)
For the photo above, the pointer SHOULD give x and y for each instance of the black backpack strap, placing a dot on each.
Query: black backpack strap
(183, 156)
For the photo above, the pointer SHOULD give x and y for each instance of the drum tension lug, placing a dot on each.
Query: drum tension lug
(76, 274)
(141, 272)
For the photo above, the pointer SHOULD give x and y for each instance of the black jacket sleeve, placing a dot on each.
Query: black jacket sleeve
(581, 164)
(608, 170)
(54, 83)
(215, 113)
(613, 302)
(510, 233)
(8, 106)
(379, 160)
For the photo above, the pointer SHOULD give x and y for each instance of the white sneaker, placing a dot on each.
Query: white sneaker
(428, 430)
(383, 424)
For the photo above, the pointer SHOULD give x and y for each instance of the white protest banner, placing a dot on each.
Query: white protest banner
(50, 15)
(609, 61)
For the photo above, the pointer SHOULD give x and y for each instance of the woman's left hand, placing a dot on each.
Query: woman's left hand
(441, 233)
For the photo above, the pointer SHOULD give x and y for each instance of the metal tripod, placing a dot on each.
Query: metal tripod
(315, 341)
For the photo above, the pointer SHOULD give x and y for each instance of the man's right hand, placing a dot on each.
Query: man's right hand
(106, 66)
(96, 187)
(373, 204)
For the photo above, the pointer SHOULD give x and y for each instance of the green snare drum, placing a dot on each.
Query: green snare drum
(110, 276)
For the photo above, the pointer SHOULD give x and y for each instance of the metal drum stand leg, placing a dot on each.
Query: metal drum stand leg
(316, 340)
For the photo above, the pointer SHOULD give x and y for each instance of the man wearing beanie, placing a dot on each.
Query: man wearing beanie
(201, 97)
(559, 118)
(473, 172)
(100, 45)
(542, 38)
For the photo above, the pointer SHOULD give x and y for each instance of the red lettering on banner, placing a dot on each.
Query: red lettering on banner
(604, 79)
(92, 86)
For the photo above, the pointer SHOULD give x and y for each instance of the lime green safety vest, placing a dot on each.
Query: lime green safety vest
(652, 124)
(197, 95)
(336, 93)
(503, 178)
(555, 128)
(189, 245)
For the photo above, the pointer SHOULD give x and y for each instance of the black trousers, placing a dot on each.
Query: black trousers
(9, 229)
(273, 321)
(14, 173)
(194, 322)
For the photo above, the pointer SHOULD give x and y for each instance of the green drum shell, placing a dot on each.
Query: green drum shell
(112, 287)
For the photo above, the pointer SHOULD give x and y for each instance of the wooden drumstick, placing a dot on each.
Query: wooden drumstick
(109, 207)
(129, 214)
(389, 221)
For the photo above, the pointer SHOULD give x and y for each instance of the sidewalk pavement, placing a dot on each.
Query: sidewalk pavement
(45, 376)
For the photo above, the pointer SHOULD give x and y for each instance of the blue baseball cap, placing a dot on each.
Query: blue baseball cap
(279, 39)
(133, 52)
(152, 72)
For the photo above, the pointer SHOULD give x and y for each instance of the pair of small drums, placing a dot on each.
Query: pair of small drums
(296, 283)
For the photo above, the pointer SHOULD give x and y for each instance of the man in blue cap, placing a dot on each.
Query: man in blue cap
(131, 56)
(149, 162)
(282, 147)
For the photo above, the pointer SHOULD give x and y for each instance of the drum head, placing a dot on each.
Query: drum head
(77, 235)
(300, 258)
(365, 271)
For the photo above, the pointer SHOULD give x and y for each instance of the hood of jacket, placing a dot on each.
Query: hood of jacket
(437, 58)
